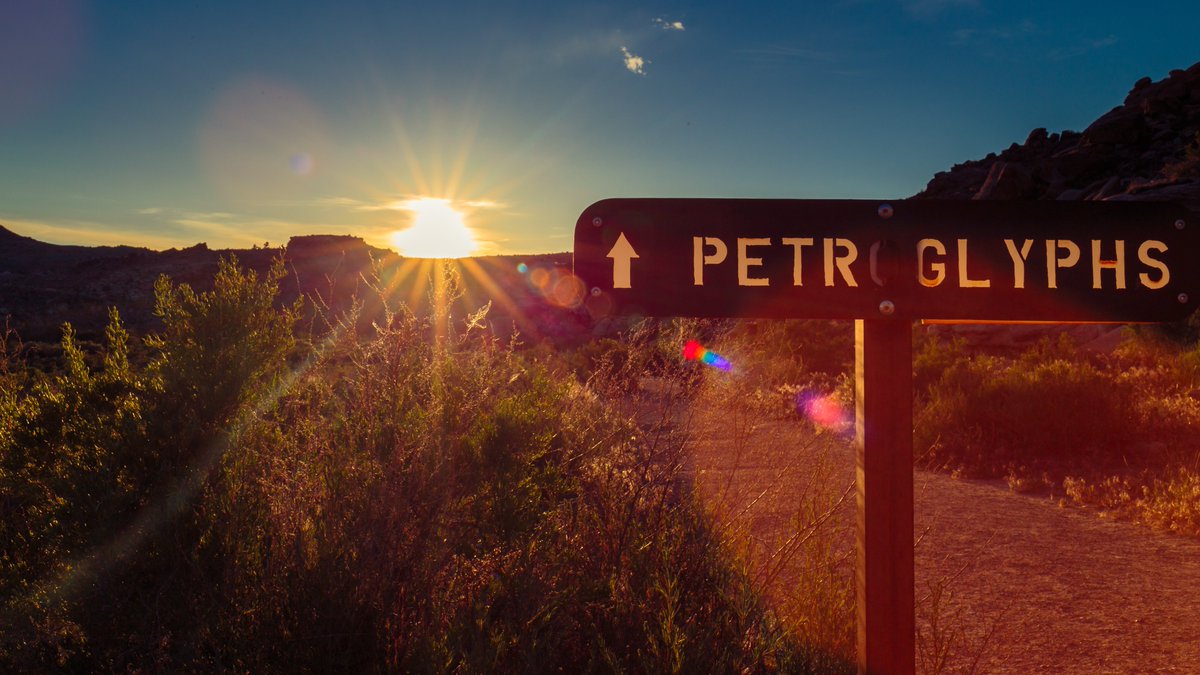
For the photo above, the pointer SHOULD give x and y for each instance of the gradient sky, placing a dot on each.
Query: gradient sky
(234, 123)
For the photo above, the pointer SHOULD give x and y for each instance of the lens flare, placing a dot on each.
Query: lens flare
(823, 410)
(41, 45)
(302, 163)
(555, 284)
(694, 351)
(262, 140)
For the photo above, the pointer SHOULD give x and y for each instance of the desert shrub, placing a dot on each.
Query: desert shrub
(1168, 499)
(98, 469)
(620, 362)
(462, 509)
(216, 346)
(1173, 502)
(69, 472)
(1117, 432)
(776, 365)
(421, 498)
(791, 350)
(932, 358)
(986, 415)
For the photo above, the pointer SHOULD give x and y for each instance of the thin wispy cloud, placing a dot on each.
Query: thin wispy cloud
(238, 231)
(668, 25)
(1081, 48)
(784, 52)
(930, 8)
(633, 63)
(404, 203)
(89, 233)
(982, 36)
(338, 201)
(169, 214)
(179, 227)
(484, 204)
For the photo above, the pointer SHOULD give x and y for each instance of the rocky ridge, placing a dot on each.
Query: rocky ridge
(1146, 149)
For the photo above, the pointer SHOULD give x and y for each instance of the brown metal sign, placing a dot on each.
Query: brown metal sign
(855, 259)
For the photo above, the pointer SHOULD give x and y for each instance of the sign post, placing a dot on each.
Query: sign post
(884, 486)
(884, 266)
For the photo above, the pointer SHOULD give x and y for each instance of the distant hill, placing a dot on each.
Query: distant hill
(1147, 148)
(23, 254)
(44, 285)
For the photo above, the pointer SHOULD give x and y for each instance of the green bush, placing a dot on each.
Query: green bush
(987, 415)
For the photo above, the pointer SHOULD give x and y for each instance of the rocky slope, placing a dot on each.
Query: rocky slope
(1147, 148)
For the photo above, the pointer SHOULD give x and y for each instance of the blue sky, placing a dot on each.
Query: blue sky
(169, 123)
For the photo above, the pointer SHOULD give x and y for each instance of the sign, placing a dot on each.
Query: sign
(919, 259)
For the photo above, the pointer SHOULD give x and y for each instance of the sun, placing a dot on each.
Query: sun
(437, 231)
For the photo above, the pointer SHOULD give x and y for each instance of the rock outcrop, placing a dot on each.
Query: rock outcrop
(1147, 148)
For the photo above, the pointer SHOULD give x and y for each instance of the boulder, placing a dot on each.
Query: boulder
(1117, 127)
(1006, 180)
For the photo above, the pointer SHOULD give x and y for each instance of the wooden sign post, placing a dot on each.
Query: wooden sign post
(884, 266)
(884, 485)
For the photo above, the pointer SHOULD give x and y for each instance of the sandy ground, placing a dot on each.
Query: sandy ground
(1057, 589)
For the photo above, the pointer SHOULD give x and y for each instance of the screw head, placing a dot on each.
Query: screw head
(1183, 298)
(596, 291)
(597, 221)
(887, 308)
(885, 211)
(1179, 224)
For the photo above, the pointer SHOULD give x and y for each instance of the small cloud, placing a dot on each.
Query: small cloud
(149, 211)
(633, 63)
(668, 25)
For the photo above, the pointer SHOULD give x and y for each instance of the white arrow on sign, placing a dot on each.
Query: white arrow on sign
(622, 253)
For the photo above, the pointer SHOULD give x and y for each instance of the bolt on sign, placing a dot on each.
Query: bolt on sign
(922, 259)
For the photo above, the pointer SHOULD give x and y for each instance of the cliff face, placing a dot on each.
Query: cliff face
(1147, 148)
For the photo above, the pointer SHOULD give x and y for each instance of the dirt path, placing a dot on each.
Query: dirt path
(1065, 591)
